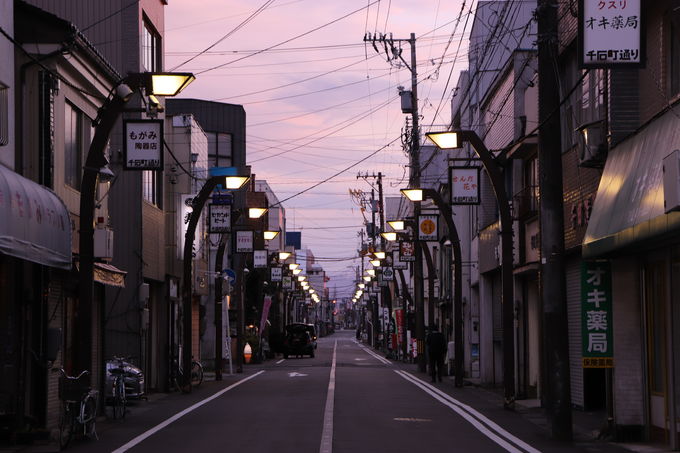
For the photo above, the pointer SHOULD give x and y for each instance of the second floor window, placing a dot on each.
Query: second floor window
(151, 45)
(151, 187)
(74, 145)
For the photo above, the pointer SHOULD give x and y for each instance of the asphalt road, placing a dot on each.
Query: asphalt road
(346, 399)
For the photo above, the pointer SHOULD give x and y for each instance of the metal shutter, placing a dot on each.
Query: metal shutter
(573, 267)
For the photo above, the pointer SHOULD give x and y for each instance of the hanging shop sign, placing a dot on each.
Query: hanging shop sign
(464, 184)
(596, 315)
(143, 144)
(244, 241)
(260, 259)
(397, 263)
(428, 227)
(387, 274)
(407, 251)
(219, 218)
(277, 276)
(611, 34)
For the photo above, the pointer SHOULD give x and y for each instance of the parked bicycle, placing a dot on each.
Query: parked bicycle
(118, 398)
(177, 375)
(79, 407)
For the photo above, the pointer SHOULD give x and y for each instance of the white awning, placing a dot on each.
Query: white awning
(34, 222)
(629, 207)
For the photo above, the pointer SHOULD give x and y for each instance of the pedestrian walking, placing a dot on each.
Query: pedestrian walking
(436, 350)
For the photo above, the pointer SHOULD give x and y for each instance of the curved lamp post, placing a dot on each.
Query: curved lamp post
(422, 194)
(455, 139)
(153, 84)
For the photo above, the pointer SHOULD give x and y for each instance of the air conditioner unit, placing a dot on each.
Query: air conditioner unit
(671, 182)
(103, 243)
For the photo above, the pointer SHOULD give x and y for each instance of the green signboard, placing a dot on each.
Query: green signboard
(596, 315)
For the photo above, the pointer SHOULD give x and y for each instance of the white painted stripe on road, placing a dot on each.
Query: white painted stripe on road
(280, 361)
(177, 416)
(474, 417)
(383, 360)
(327, 433)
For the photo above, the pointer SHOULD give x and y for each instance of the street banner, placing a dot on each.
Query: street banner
(143, 144)
(407, 251)
(611, 34)
(464, 183)
(276, 276)
(260, 259)
(596, 315)
(265, 313)
(396, 261)
(244, 241)
(219, 218)
(399, 316)
(428, 227)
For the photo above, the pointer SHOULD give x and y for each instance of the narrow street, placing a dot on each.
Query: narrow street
(346, 399)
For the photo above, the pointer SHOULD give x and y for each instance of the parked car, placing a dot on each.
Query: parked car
(298, 341)
(134, 378)
(308, 327)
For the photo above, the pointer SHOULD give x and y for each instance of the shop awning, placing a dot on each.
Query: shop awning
(629, 206)
(108, 274)
(34, 222)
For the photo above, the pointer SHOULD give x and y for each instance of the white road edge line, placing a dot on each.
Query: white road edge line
(473, 417)
(327, 433)
(179, 415)
(380, 358)
(280, 361)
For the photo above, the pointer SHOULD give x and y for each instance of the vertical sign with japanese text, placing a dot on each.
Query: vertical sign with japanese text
(428, 227)
(244, 241)
(611, 33)
(260, 259)
(276, 275)
(464, 183)
(143, 144)
(397, 263)
(407, 251)
(596, 315)
(219, 218)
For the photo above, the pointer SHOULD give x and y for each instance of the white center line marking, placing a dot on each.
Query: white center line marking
(327, 433)
(280, 361)
(179, 415)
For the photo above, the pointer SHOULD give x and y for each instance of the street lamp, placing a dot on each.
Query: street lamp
(370, 272)
(389, 235)
(379, 255)
(293, 266)
(454, 240)
(269, 235)
(256, 213)
(107, 117)
(296, 271)
(375, 263)
(446, 140)
(397, 225)
(283, 256)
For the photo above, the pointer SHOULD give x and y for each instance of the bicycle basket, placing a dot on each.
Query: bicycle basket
(73, 389)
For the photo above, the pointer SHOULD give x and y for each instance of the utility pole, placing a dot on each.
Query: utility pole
(553, 284)
(414, 175)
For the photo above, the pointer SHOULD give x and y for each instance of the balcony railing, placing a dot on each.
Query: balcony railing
(525, 203)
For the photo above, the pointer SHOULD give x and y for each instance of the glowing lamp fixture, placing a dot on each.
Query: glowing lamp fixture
(296, 271)
(283, 256)
(371, 272)
(389, 236)
(367, 278)
(256, 213)
(445, 140)
(397, 225)
(167, 83)
(302, 278)
(413, 194)
(269, 235)
(375, 263)
(379, 255)
(361, 286)
(293, 266)
(235, 182)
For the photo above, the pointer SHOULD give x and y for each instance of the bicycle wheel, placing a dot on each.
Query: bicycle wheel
(66, 425)
(196, 374)
(119, 399)
(89, 416)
